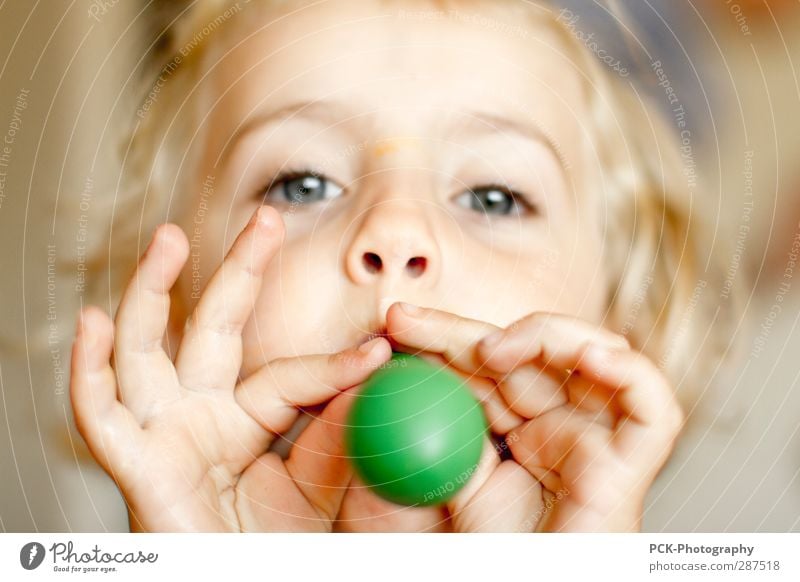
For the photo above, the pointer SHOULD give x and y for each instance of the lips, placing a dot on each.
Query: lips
(378, 332)
(396, 347)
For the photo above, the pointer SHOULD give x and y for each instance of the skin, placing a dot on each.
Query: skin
(185, 428)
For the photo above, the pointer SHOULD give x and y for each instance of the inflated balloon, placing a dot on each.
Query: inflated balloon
(415, 432)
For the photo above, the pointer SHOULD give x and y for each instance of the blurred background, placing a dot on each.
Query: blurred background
(66, 75)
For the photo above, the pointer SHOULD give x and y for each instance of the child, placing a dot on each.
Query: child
(460, 179)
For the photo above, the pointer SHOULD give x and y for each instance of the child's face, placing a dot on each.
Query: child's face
(397, 114)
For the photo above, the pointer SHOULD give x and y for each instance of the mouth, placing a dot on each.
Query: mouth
(378, 332)
(436, 359)
(381, 332)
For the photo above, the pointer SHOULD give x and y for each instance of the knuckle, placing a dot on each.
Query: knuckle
(532, 322)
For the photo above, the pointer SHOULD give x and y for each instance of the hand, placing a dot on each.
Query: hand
(177, 438)
(588, 420)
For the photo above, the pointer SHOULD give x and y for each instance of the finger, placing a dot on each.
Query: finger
(475, 477)
(531, 390)
(109, 429)
(318, 462)
(454, 338)
(500, 415)
(591, 397)
(272, 393)
(578, 457)
(215, 326)
(519, 511)
(650, 415)
(432, 330)
(268, 500)
(542, 336)
(543, 444)
(146, 375)
(532, 383)
(364, 511)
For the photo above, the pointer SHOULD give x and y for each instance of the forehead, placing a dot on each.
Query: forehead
(402, 63)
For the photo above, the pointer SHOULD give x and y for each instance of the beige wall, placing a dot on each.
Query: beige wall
(72, 73)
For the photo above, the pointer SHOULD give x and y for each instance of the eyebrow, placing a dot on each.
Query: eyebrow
(320, 110)
(532, 131)
(328, 111)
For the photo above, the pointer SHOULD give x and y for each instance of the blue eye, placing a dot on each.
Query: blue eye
(496, 200)
(302, 187)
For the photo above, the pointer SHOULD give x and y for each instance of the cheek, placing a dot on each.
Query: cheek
(548, 280)
(584, 280)
(503, 286)
(294, 310)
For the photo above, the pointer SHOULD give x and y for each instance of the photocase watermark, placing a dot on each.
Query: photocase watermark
(66, 559)
(683, 326)
(152, 97)
(783, 289)
(184, 52)
(53, 336)
(466, 18)
(197, 234)
(679, 118)
(570, 21)
(638, 299)
(505, 443)
(99, 8)
(82, 235)
(552, 500)
(744, 227)
(738, 14)
(388, 364)
(445, 489)
(6, 147)
(31, 555)
(448, 487)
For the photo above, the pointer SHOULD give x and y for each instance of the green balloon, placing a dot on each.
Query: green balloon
(415, 432)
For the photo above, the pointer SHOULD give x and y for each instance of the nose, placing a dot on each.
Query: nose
(394, 244)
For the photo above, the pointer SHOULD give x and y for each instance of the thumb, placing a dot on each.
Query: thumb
(318, 462)
(500, 497)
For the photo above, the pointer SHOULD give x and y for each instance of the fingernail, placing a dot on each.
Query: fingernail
(411, 310)
(366, 347)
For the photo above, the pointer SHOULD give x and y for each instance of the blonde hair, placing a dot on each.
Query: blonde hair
(662, 296)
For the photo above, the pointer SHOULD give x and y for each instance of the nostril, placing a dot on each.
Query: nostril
(372, 262)
(416, 266)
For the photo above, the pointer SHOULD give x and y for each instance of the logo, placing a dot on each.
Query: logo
(31, 555)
